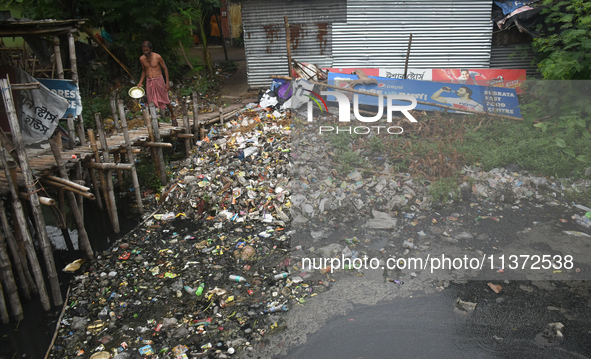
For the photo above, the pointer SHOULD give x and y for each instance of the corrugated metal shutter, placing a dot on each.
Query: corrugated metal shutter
(446, 34)
(514, 57)
(310, 31)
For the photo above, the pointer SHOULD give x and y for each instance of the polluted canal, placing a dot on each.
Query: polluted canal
(237, 257)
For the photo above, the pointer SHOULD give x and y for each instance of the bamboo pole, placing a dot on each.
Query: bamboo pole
(8, 279)
(82, 235)
(27, 241)
(79, 197)
(62, 187)
(288, 43)
(156, 144)
(195, 114)
(109, 174)
(113, 101)
(160, 163)
(67, 182)
(95, 188)
(407, 55)
(154, 156)
(4, 318)
(81, 133)
(71, 132)
(110, 166)
(101, 175)
(17, 256)
(221, 111)
(43, 237)
(117, 160)
(187, 140)
(131, 159)
(43, 200)
(73, 65)
(58, 57)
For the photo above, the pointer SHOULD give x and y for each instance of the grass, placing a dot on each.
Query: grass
(445, 189)
(510, 142)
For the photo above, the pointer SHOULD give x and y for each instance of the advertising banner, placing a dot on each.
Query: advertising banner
(508, 78)
(68, 90)
(456, 96)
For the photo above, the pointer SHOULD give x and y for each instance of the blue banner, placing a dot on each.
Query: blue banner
(498, 100)
(68, 90)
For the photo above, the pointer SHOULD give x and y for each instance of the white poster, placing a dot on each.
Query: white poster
(41, 111)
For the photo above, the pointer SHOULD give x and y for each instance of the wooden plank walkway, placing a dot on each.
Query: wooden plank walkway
(42, 161)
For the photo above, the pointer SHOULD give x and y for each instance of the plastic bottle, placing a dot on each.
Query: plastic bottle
(276, 309)
(200, 289)
(237, 278)
(280, 276)
(189, 289)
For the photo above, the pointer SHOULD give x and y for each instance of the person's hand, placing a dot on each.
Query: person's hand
(446, 88)
(167, 87)
(139, 85)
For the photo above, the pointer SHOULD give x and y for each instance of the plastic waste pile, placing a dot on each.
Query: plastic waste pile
(209, 274)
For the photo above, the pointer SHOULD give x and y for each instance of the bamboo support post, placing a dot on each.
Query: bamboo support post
(80, 181)
(18, 258)
(67, 182)
(160, 163)
(201, 132)
(109, 175)
(81, 133)
(221, 111)
(114, 111)
(58, 140)
(30, 183)
(73, 65)
(101, 175)
(117, 160)
(95, 188)
(195, 113)
(288, 43)
(29, 249)
(185, 135)
(82, 235)
(61, 194)
(131, 159)
(71, 132)
(4, 318)
(154, 156)
(58, 57)
(187, 132)
(8, 280)
(43, 200)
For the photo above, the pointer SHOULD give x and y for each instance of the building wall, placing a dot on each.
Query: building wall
(264, 35)
(12, 41)
(366, 33)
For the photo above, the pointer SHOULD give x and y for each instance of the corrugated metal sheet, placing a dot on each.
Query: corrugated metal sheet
(514, 57)
(446, 34)
(310, 31)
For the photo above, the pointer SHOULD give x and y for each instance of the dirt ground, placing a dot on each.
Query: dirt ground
(236, 85)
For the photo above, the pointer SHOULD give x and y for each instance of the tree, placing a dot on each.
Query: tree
(564, 45)
(197, 11)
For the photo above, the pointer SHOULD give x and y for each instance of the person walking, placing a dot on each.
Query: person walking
(156, 87)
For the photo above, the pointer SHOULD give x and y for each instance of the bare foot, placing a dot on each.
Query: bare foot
(174, 122)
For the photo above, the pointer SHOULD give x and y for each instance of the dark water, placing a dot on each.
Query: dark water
(507, 325)
(31, 337)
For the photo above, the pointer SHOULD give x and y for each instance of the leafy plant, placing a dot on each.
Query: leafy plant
(445, 189)
(564, 44)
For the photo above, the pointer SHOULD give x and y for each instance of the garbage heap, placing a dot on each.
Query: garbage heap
(207, 274)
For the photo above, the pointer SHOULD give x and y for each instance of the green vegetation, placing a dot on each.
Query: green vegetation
(564, 44)
(445, 189)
